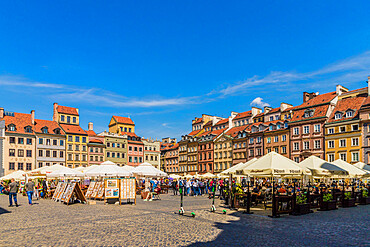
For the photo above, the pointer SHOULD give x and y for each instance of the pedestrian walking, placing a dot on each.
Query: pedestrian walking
(13, 190)
(30, 187)
(44, 188)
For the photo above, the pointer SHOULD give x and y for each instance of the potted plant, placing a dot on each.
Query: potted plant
(301, 206)
(364, 198)
(327, 202)
(348, 201)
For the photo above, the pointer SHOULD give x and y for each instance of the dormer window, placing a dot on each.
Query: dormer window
(45, 130)
(11, 127)
(271, 127)
(57, 131)
(28, 129)
(349, 114)
(338, 115)
(272, 118)
(261, 128)
(278, 126)
(308, 113)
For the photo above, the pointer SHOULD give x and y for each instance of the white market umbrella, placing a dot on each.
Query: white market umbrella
(352, 170)
(44, 170)
(108, 169)
(174, 176)
(207, 175)
(17, 175)
(363, 166)
(273, 164)
(238, 167)
(320, 167)
(85, 169)
(65, 172)
(146, 169)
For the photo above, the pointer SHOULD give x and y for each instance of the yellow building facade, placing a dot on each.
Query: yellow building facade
(121, 125)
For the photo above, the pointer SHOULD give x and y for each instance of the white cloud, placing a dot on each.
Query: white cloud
(258, 102)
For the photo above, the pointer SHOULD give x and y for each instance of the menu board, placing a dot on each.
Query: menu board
(90, 190)
(111, 188)
(128, 188)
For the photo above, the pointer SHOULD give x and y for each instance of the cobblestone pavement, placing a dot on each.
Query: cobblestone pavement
(154, 224)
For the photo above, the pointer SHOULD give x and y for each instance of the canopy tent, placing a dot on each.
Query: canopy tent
(146, 169)
(321, 168)
(207, 175)
(44, 170)
(108, 169)
(65, 172)
(353, 171)
(273, 164)
(85, 168)
(238, 167)
(174, 176)
(17, 175)
(362, 166)
(188, 176)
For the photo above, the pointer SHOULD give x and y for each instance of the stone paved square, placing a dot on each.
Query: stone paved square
(48, 223)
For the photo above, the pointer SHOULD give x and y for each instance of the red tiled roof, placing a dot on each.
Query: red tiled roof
(353, 103)
(123, 120)
(209, 123)
(319, 111)
(319, 99)
(198, 120)
(129, 134)
(223, 121)
(20, 120)
(73, 129)
(170, 147)
(260, 114)
(135, 142)
(235, 130)
(355, 90)
(243, 115)
(274, 110)
(90, 133)
(367, 101)
(194, 132)
(95, 140)
(51, 125)
(67, 110)
(274, 122)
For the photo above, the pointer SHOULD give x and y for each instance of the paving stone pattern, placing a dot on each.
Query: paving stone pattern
(48, 223)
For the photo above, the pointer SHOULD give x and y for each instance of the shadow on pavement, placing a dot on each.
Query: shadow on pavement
(4, 211)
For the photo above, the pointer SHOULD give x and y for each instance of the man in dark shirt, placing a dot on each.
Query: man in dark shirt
(29, 190)
(13, 189)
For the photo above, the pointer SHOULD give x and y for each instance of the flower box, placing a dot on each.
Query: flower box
(364, 200)
(346, 203)
(302, 209)
(328, 205)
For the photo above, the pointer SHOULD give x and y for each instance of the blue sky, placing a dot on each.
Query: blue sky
(165, 62)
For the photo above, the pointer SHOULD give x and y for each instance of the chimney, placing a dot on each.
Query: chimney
(90, 126)
(308, 96)
(1, 112)
(284, 106)
(33, 117)
(368, 88)
(266, 109)
(55, 114)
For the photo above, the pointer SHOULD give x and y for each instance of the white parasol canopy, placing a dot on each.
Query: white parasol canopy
(174, 176)
(17, 175)
(273, 164)
(352, 170)
(207, 175)
(320, 167)
(108, 169)
(146, 169)
(238, 167)
(44, 170)
(65, 172)
(363, 166)
(85, 169)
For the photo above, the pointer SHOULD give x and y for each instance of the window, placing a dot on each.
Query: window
(108, 154)
(12, 152)
(11, 165)
(306, 145)
(20, 166)
(140, 149)
(41, 153)
(272, 118)
(317, 144)
(29, 141)
(113, 145)
(29, 153)
(20, 141)
(269, 150)
(306, 129)
(91, 158)
(355, 141)
(84, 148)
(84, 139)
(113, 155)
(28, 166)
(11, 140)
(330, 157)
(258, 139)
(355, 127)
(278, 126)
(74, 119)
(61, 142)
(77, 157)
(55, 142)
(338, 116)
(342, 143)
(296, 146)
(276, 139)
(47, 153)
(283, 138)
(45, 130)
(118, 145)
(47, 141)
(70, 147)
(342, 129)
(84, 157)
(317, 128)
(70, 138)
(129, 159)
(283, 150)
(70, 157)
(11, 127)
(68, 119)
(62, 118)
(331, 131)
(77, 139)
(331, 144)
(55, 154)
(296, 131)
(61, 154)
(355, 157)
(77, 147)
(20, 153)
(140, 159)
(251, 140)
(343, 156)
(276, 150)
(130, 148)
(296, 159)
(28, 129)
(349, 114)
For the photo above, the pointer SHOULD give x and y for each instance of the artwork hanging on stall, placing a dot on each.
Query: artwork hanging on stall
(112, 183)
(69, 193)
(63, 195)
(111, 188)
(128, 189)
(90, 190)
(96, 190)
(100, 191)
(57, 191)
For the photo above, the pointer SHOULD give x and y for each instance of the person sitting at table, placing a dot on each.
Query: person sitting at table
(256, 193)
(282, 190)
